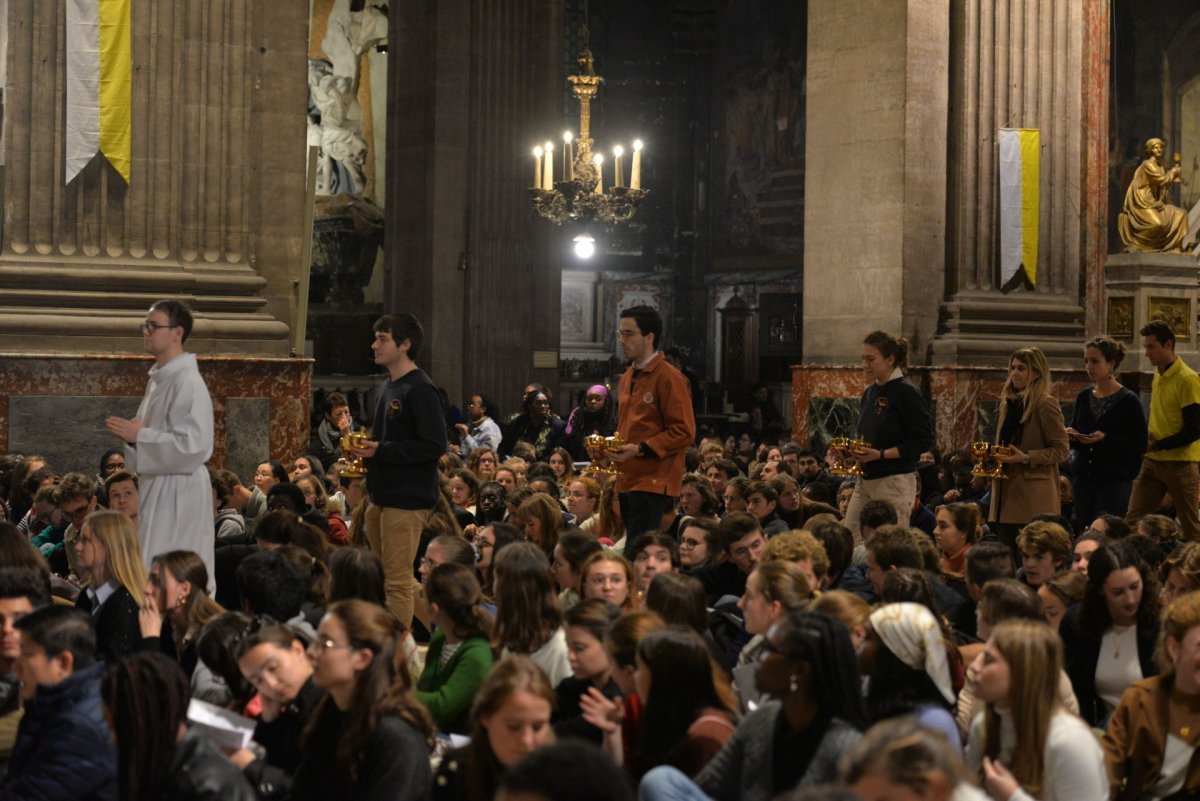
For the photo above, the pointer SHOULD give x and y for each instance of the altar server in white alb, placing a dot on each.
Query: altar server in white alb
(169, 441)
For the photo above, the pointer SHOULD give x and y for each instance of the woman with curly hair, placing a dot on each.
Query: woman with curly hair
(596, 415)
(483, 463)
(369, 737)
(1181, 573)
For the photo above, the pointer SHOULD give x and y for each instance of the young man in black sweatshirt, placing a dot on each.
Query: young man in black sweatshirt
(408, 438)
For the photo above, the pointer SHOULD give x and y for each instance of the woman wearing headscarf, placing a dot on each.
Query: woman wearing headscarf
(596, 415)
(906, 660)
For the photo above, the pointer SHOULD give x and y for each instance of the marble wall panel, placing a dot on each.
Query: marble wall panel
(247, 435)
(68, 430)
(285, 385)
(963, 400)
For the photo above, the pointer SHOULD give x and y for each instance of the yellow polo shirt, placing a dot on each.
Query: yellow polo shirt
(1172, 390)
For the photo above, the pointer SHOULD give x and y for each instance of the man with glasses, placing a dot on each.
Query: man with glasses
(656, 424)
(76, 500)
(169, 441)
(483, 431)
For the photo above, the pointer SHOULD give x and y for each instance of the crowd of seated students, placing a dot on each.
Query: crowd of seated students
(751, 648)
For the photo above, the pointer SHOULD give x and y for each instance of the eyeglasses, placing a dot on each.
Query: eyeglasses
(113, 467)
(481, 542)
(627, 334)
(320, 646)
(149, 327)
(688, 544)
(428, 563)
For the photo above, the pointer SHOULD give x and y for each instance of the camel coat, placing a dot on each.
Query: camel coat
(1032, 489)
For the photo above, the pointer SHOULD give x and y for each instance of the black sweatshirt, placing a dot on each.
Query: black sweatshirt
(894, 415)
(411, 430)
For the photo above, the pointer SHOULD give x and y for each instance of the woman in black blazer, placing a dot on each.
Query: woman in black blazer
(1108, 436)
(1109, 637)
(108, 553)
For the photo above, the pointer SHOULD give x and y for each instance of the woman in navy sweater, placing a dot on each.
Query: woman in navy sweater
(1108, 436)
(894, 421)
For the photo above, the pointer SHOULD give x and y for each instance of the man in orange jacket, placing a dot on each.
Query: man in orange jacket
(656, 423)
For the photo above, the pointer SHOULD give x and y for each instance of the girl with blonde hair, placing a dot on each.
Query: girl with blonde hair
(108, 555)
(1031, 426)
(1025, 745)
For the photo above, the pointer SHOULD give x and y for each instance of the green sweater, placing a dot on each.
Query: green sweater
(447, 692)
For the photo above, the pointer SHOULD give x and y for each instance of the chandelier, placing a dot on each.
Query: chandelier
(578, 192)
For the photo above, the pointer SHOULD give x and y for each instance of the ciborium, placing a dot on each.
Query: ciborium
(845, 456)
(987, 459)
(354, 467)
(598, 445)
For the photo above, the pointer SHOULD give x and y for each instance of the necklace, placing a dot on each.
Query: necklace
(1120, 641)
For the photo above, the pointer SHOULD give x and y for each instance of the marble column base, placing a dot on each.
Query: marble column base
(55, 404)
(1141, 287)
(982, 328)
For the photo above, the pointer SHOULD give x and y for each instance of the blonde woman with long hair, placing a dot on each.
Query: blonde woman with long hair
(1031, 425)
(107, 553)
(1026, 745)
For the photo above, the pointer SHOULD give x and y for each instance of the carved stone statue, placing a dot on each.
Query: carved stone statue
(1147, 223)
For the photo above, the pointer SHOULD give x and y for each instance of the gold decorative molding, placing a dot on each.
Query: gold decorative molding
(1175, 312)
(1120, 318)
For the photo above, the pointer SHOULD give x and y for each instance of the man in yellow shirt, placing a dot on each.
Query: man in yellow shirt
(1174, 447)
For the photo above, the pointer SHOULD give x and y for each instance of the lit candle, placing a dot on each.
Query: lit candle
(549, 179)
(568, 158)
(635, 179)
(619, 176)
(599, 173)
(537, 168)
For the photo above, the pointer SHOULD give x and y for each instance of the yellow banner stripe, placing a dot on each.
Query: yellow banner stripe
(116, 78)
(1030, 201)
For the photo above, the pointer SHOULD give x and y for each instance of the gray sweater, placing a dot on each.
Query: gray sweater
(742, 770)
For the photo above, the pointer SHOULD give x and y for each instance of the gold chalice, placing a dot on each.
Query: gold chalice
(999, 452)
(845, 456)
(597, 445)
(354, 464)
(981, 453)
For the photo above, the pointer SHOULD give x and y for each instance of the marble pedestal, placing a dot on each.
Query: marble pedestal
(55, 404)
(1141, 287)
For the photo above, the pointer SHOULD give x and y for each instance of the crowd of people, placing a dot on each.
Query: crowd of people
(499, 609)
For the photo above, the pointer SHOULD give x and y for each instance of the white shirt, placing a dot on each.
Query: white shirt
(1073, 769)
(98, 595)
(1118, 665)
(1176, 759)
(551, 657)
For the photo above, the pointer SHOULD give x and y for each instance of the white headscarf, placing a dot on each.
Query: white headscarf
(912, 633)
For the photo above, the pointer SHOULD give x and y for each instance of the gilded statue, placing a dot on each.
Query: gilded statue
(1147, 223)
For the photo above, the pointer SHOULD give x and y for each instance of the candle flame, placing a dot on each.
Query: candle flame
(599, 159)
(537, 151)
(549, 147)
(637, 144)
(567, 137)
(618, 151)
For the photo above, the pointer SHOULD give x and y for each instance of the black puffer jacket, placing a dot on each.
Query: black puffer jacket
(63, 747)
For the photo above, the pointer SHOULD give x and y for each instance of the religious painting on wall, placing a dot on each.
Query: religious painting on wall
(758, 181)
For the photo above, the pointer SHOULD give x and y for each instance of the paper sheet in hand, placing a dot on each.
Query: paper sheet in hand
(224, 728)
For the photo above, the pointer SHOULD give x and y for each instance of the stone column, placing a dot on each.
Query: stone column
(473, 87)
(213, 214)
(1024, 64)
(214, 209)
(875, 188)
